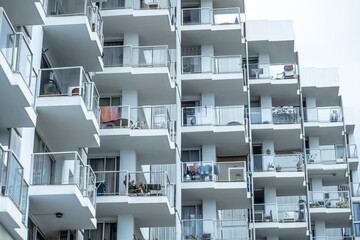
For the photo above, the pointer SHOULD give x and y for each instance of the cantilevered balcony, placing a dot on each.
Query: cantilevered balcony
(278, 80)
(326, 122)
(148, 196)
(146, 129)
(282, 123)
(139, 68)
(13, 194)
(214, 180)
(225, 126)
(331, 206)
(17, 78)
(78, 24)
(24, 12)
(218, 26)
(141, 16)
(68, 100)
(281, 220)
(329, 161)
(62, 183)
(215, 229)
(285, 171)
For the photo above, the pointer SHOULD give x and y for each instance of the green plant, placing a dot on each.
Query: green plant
(52, 89)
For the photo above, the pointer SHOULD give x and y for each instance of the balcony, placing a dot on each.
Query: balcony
(17, 78)
(282, 170)
(139, 68)
(331, 206)
(213, 180)
(68, 100)
(13, 194)
(214, 229)
(281, 220)
(224, 126)
(148, 196)
(148, 130)
(24, 12)
(77, 24)
(326, 122)
(333, 238)
(282, 123)
(141, 16)
(62, 183)
(326, 160)
(219, 27)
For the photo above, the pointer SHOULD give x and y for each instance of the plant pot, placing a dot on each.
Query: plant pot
(75, 92)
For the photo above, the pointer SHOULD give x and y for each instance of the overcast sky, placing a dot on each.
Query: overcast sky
(327, 35)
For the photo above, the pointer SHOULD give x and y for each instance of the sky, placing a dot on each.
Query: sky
(327, 34)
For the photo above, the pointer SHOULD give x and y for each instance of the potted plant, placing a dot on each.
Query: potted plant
(51, 89)
(278, 168)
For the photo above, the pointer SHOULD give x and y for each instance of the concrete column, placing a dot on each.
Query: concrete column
(208, 115)
(320, 228)
(206, 13)
(317, 187)
(264, 64)
(209, 153)
(209, 213)
(67, 167)
(125, 227)
(315, 154)
(130, 98)
(268, 159)
(131, 56)
(127, 163)
(270, 202)
(266, 111)
(311, 111)
(207, 51)
(207, 99)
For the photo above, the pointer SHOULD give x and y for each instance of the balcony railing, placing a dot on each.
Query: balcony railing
(217, 116)
(278, 163)
(16, 50)
(214, 171)
(127, 183)
(69, 82)
(329, 199)
(333, 238)
(211, 64)
(144, 56)
(146, 117)
(275, 115)
(274, 71)
(335, 155)
(136, 5)
(12, 183)
(323, 114)
(76, 7)
(283, 213)
(219, 16)
(212, 229)
(64, 168)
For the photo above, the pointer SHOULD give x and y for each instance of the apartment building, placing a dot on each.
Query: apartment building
(168, 120)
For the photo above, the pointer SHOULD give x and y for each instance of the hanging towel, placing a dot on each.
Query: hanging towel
(109, 114)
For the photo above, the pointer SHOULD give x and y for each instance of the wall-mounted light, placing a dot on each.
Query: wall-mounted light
(59, 215)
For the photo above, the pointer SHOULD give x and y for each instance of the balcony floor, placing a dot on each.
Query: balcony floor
(229, 140)
(16, 97)
(66, 123)
(143, 21)
(226, 91)
(10, 215)
(228, 195)
(151, 145)
(149, 211)
(329, 133)
(117, 79)
(334, 217)
(287, 183)
(295, 231)
(30, 13)
(71, 42)
(46, 200)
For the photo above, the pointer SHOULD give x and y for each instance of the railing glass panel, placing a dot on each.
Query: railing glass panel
(329, 199)
(333, 155)
(219, 16)
(211, 64)
(277, 71)
(323, 114)
(283, 213)
(275, 115)
(278, 163)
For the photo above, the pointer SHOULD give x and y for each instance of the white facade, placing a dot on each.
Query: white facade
(171, 120)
